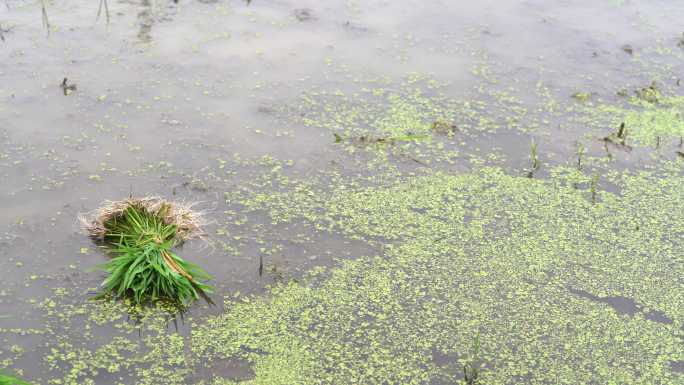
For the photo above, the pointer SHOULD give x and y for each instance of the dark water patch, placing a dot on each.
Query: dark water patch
(232, 369)
(677, 366)
(625, 306)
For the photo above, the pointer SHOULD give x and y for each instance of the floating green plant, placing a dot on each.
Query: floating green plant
(6, 379)
(141, 234)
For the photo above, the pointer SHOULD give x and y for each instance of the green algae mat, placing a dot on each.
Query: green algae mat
(556, 286)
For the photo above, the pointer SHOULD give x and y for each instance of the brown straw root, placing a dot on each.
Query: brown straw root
(188, 222)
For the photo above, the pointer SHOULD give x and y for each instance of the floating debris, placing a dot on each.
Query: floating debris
(140, 233)
(582, 97)
(67, 88)
(303, 14)
(443, 127)
(618, 138)
(369, 139)
(622, 92)
(651, 94)
(628, 49)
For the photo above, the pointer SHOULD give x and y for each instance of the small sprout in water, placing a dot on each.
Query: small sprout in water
(46, 22)
(593, 186)
(618, 138)
(580, 155)
(535, 160)
(471, 370)
(621, 134)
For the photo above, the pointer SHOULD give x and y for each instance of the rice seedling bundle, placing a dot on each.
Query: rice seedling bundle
(140, 234)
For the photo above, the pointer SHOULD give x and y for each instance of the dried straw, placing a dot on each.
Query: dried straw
(188, 222)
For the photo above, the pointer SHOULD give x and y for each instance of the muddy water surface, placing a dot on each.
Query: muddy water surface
(314, 133)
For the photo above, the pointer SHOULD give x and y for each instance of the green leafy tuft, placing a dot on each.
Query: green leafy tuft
(144, 266)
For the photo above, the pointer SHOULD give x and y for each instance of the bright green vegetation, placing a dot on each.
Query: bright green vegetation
(543, 282)
(144, 265)
(6, 379)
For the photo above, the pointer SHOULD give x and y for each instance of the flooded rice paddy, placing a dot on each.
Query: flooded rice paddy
(399, 192)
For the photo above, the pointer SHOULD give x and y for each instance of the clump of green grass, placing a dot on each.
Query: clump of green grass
(141, 235)
(6, 379)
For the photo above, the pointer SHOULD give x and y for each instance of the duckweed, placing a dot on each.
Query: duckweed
(483, 254)
(488, 254)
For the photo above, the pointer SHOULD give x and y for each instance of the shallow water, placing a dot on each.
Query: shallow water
(220, 101)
